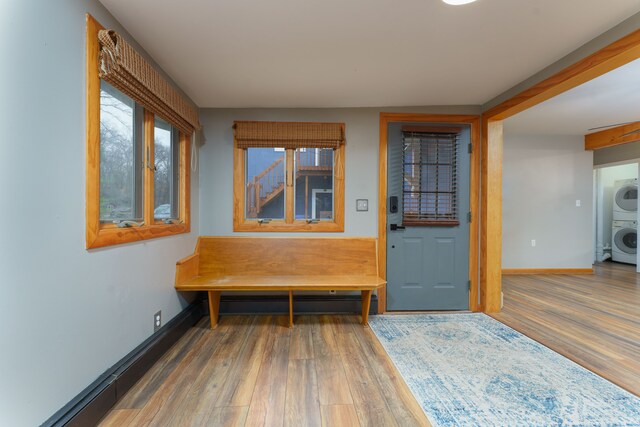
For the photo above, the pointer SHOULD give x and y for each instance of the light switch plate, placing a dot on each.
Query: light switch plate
(362, 205)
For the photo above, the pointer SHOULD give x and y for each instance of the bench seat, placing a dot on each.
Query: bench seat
(280, 264)
(282, 283)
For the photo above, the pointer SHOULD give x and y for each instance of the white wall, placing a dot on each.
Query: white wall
(361, 161)
(543, 178)
(606, 178)
(66, 314)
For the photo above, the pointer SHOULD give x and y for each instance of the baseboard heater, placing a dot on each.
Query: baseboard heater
(302, 304)
(93, 403)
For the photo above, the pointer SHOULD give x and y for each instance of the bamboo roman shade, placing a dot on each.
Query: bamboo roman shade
(288, 135)
(430, 177)
(127, 70)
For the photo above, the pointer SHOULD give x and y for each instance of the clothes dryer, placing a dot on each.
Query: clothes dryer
(625, 200)
(624, 238)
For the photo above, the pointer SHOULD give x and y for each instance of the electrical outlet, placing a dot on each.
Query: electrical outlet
(578, 203)
(332, 292)
(533, 243)
(157, 320)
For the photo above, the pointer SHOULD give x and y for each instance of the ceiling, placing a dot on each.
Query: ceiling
(358, 53)
(610, 99)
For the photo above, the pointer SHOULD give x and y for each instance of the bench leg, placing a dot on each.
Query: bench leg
(214, 307)
(291, 309)
(366, 303)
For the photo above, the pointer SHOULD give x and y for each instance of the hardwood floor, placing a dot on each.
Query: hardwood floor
(593, 320)
(330, 371)
(255, 371)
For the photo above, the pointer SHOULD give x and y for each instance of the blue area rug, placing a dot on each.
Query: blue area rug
(471, 370)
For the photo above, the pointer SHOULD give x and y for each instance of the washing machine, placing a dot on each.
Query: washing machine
(625, 200)
(624, 236)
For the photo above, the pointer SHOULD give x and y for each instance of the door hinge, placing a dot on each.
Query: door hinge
(469, 285)
(469, 216)
(470, 148)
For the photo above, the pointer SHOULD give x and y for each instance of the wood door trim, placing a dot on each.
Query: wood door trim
(474, 192)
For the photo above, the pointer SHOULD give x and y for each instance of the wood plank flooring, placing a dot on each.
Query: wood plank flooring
(255, 371)
(593, 320)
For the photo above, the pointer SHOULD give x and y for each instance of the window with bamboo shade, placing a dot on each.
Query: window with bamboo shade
(288, 176)
(138, 146)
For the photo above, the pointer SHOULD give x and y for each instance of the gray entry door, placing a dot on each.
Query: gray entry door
(427, 223)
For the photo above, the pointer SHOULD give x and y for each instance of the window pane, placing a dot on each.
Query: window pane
(265, 195)
(167, 170)
(121, 124)
(314, 183)
(429, 181)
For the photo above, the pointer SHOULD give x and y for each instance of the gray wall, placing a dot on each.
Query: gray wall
(618, 153)
(543, 178)
(361, 161)
(66, 314)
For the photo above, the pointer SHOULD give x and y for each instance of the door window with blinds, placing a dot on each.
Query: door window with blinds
(430, 177)
(289, 176)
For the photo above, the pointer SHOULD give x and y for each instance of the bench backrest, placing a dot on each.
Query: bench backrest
(236, 256)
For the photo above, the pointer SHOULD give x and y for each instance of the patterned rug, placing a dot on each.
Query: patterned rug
(471, 370)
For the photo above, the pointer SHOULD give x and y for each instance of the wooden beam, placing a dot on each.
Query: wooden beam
(613, 136)
(491, 222)
(609, 58)
(618, 53)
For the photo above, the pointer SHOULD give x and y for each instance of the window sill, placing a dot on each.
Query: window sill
(110, 235)
(281, 226)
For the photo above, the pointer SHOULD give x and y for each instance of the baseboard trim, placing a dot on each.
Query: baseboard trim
(93, 403)
(302, 304)
(508, 271)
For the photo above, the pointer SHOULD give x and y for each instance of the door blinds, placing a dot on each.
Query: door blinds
(127, 70)
(430, 177)
(288, 134)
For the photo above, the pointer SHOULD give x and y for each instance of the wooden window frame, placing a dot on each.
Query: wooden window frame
(289, 224)
(102, 234)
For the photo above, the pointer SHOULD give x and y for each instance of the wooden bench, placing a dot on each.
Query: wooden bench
(280, 264)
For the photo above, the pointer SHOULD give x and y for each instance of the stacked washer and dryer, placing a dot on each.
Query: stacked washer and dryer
(624, 235)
